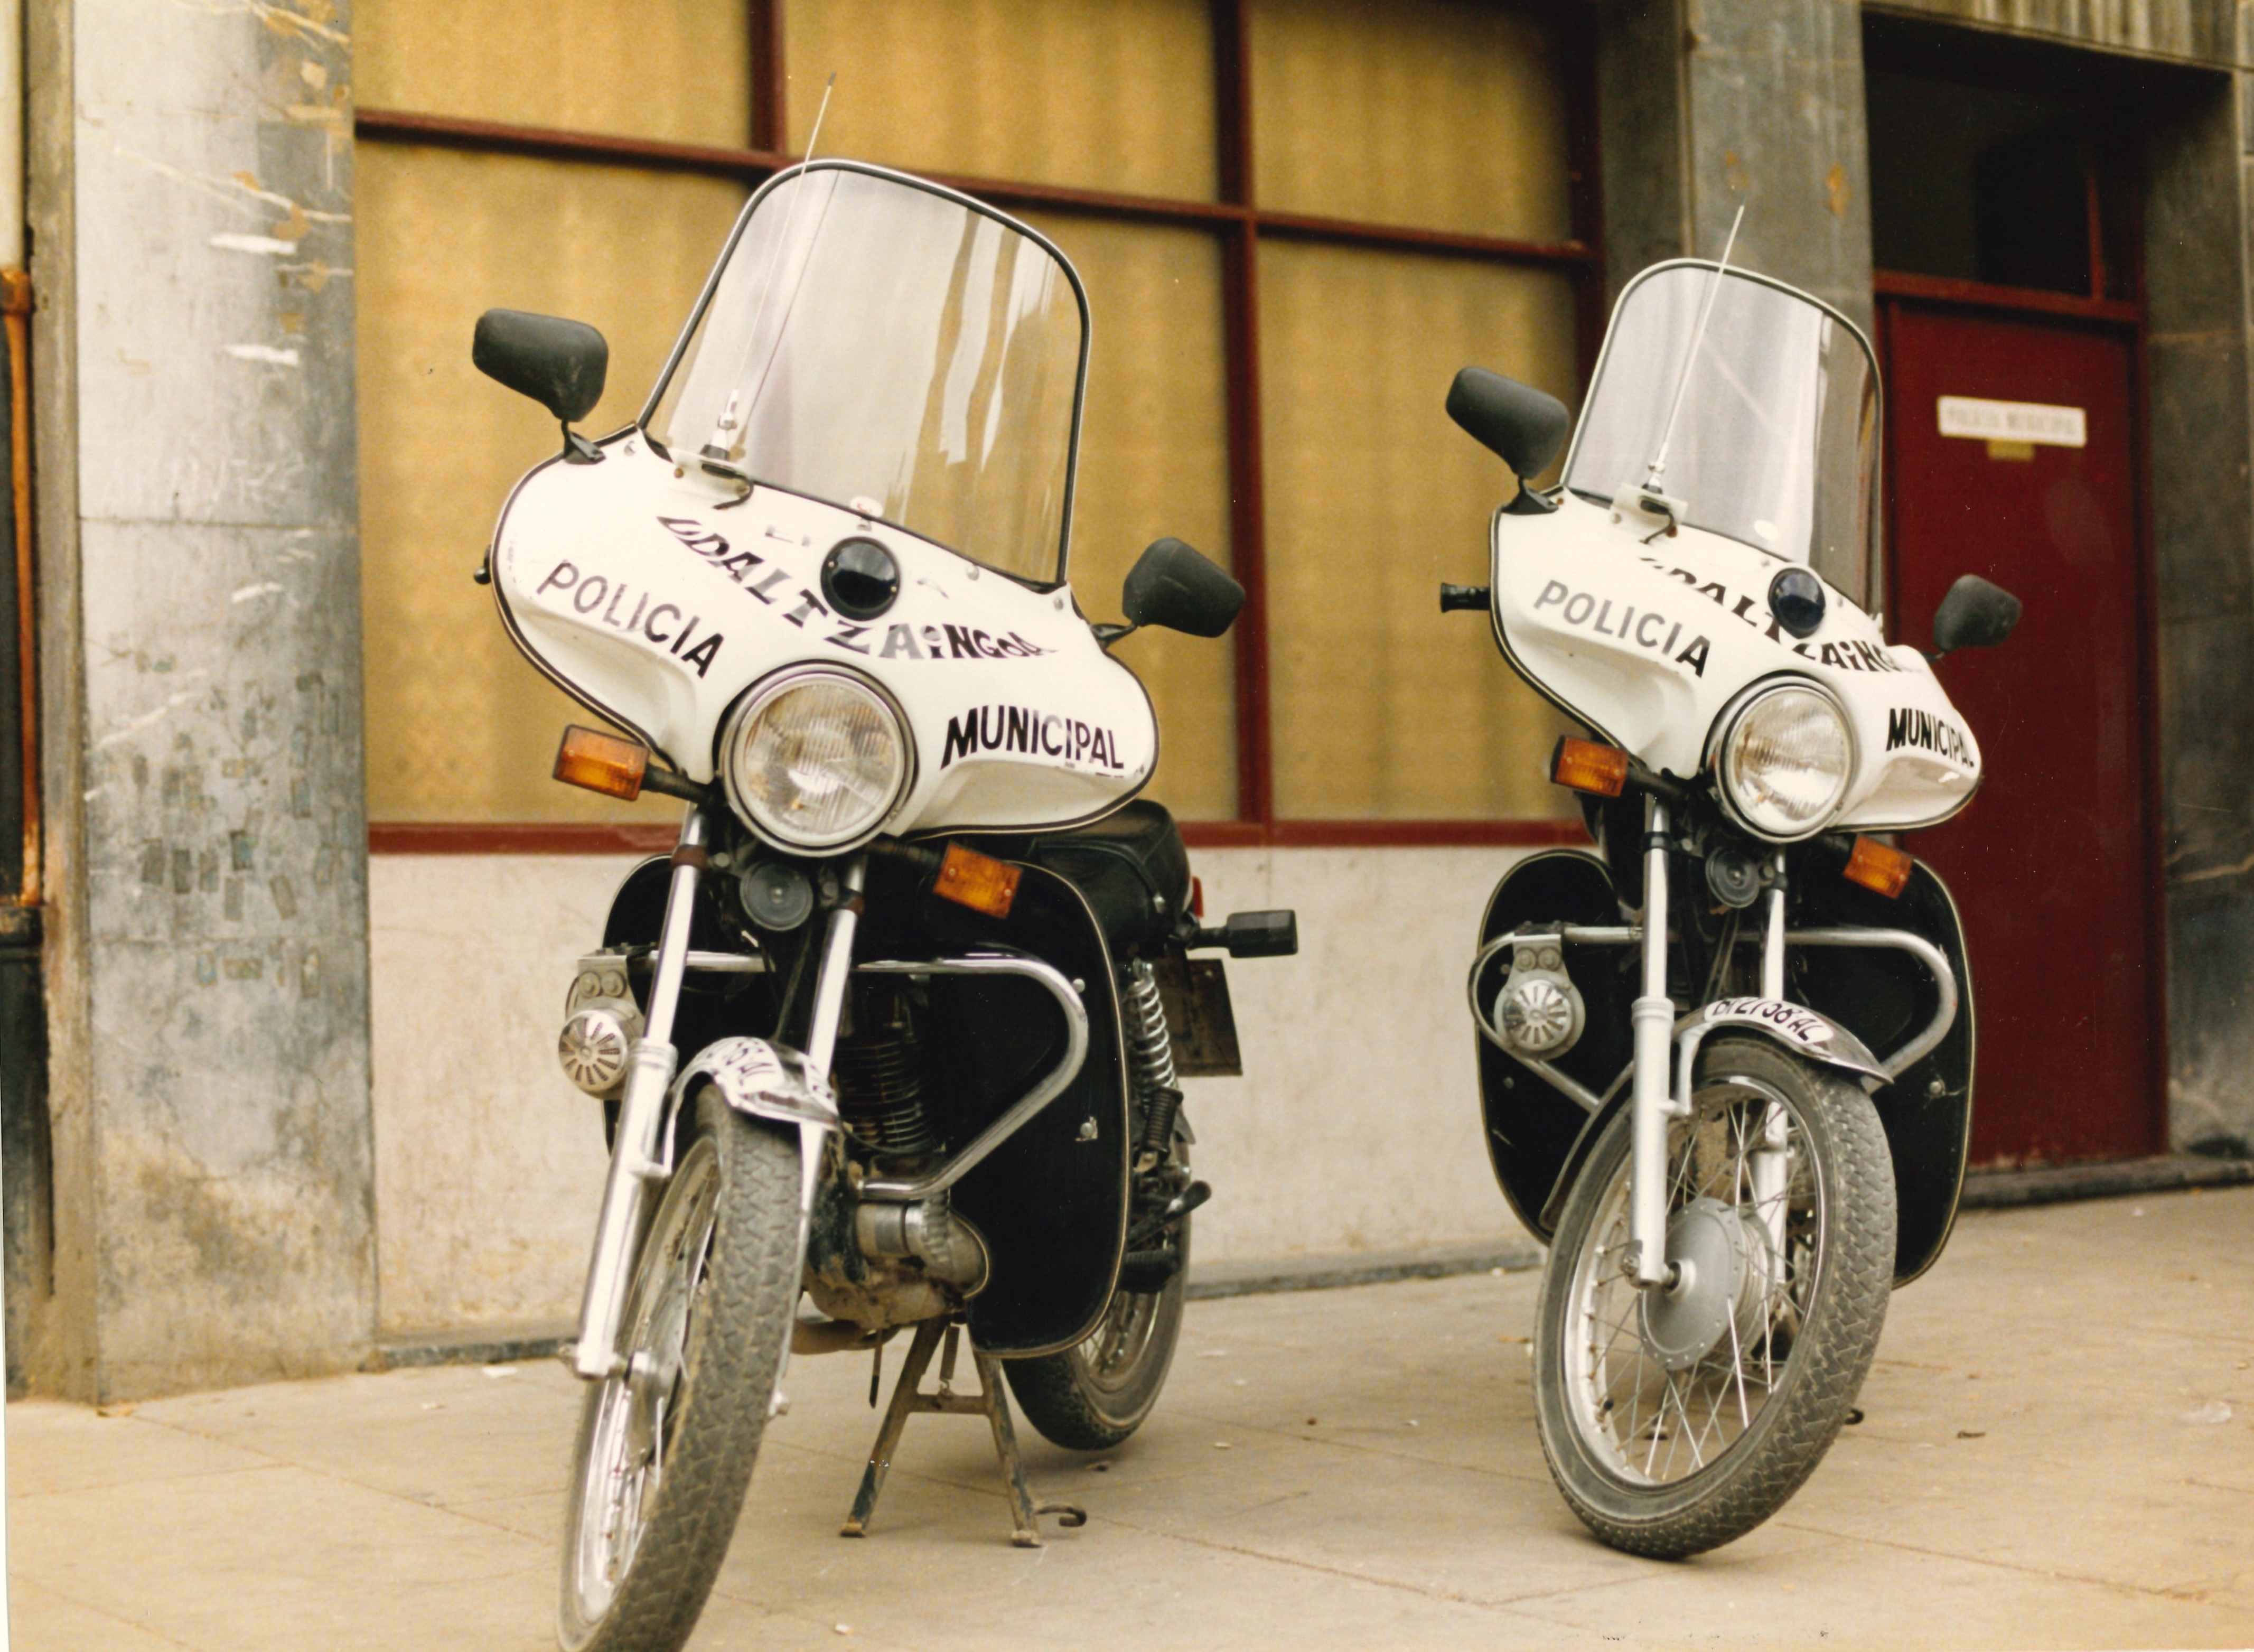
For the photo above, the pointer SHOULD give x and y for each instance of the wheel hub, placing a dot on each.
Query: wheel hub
(1711, 1256)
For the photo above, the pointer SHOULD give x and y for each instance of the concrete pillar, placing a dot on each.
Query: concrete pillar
(2199, 132)
(1707, 105)
(191, 193)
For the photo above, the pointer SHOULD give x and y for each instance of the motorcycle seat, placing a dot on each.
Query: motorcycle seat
(1130, 865)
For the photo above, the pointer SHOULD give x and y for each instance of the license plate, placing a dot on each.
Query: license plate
(1196, 994)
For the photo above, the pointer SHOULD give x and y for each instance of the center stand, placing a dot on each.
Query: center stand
(990, 1402)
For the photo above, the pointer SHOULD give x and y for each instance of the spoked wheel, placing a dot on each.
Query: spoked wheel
(1677, 1419)
(666, 1448)
(1092, 1397)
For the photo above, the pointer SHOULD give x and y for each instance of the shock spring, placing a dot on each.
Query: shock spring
(1150, 1051)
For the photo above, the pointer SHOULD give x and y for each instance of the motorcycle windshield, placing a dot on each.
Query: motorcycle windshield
(1775, 442)
(895, 348)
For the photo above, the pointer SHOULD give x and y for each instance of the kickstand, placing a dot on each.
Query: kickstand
(991, 1403)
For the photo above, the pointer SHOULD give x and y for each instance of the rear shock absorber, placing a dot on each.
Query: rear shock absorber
(1151, 1052)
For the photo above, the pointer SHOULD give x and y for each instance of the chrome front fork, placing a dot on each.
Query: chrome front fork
(637, 1168)
(1651, 1107)
(1768, 1164)
(1652, 1018)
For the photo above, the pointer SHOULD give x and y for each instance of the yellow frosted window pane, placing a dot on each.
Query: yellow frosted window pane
(1111, 95)
(1442, 113)
(681, 72)
(1154, 461)
(1384, 708)
(459, 726)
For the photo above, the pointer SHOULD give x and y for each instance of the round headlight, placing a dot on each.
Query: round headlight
(1786, 762)
(815, 760)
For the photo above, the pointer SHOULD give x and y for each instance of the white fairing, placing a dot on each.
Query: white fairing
(658, 598)
(1648, 637)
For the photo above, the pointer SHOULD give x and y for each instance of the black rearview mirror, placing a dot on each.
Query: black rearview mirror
(1521, 426)
(559, 364)
(1173, 586)
(1974, 614)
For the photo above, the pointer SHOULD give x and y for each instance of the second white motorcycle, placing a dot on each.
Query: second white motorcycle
(1725, 1059)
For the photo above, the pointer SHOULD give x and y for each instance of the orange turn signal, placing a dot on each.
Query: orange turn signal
(977, 881)
(601, 763)
(1874, 865)
(1587, 766)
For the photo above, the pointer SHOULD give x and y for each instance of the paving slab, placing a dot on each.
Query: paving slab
(2057, 1450)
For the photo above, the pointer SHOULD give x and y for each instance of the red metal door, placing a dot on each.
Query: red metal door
(2052, 864)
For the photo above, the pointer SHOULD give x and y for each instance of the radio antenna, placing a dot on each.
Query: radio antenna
(735, 413)
(1697, 338)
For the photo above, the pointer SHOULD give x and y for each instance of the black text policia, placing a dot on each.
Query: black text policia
(1846, 655)
(898, 643)
(1021, 728)
(1928, 733)
(1654, 632)
(663, 624)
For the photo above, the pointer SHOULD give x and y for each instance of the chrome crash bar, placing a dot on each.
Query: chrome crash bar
(1935, 961)
(1051, 1085)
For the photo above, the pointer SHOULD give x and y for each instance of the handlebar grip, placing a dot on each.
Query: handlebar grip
(1464, 597)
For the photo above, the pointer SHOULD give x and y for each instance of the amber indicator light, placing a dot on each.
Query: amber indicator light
(601, 762)
(1587, 766)
(977, 881)
(1874, 865)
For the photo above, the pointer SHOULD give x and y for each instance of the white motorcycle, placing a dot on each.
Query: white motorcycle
(1726, 1061)
(927, 961)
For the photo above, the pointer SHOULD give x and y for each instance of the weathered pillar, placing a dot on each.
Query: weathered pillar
(2198, 133)
(200, 599)
(1708, 105)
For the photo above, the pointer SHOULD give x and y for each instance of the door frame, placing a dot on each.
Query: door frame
(2123, 320)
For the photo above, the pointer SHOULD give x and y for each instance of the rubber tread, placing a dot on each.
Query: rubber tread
(1761, 1473)
(738, 1338)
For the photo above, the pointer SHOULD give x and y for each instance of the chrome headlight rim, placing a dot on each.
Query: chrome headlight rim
(764, 693)
(1726, 730)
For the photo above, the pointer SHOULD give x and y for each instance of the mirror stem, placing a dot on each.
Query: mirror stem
(1107, 633)
(577, 450)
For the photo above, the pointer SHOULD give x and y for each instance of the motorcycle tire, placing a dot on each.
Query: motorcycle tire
(1094, 1394)
(1762, 1350)
(665, 1450)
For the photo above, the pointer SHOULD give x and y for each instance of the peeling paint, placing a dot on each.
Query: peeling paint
(237, 191)
(232, 243)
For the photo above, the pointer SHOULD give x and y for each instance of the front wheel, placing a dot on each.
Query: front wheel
(1678, 1419)
(666, 1447)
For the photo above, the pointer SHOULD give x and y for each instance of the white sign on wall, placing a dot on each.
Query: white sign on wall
(2031, 422)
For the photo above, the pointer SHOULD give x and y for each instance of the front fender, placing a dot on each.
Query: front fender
(767, 1081)
(764, 1080)
(1808, 1034)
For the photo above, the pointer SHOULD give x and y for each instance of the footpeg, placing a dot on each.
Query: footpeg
(1253, 934)
(1167, 1215)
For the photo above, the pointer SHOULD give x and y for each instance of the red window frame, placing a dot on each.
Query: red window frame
(1240, 225)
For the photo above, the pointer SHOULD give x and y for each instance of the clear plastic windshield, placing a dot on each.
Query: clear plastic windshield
(1776, 441)
(888, 347)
